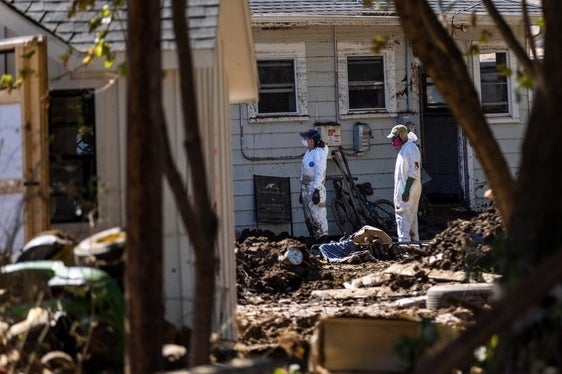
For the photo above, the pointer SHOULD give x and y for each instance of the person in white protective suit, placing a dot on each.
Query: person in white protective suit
(407, 184)
(313, 192)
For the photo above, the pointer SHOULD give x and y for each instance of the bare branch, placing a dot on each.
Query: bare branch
(529, 292)
(176, 183)
(444, 62)
(510, 39)
(527, 25)
(202, 225)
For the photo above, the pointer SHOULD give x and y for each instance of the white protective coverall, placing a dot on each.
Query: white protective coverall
(313, 176)
(408, 164)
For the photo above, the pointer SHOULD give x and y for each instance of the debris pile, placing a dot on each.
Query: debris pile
(276, 299)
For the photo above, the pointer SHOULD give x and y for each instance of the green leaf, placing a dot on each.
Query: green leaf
(122, 69)
(473, 50)
(379, 43)
(541, 22)
(526, 80)
(94, 24)
(29, 54)
(105, 11)
(503, 69)
(7, 81)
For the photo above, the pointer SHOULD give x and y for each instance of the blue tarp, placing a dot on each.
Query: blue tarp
(344, 251)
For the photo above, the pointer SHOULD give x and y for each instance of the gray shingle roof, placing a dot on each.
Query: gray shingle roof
(52, 15)
(355, 8)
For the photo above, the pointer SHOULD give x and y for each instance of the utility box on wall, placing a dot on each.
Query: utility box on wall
(330, 132)
(361, 137)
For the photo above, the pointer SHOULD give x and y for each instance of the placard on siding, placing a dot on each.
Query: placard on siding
(273, 199)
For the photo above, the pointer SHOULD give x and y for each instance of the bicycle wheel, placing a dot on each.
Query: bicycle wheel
(345, 219)
(383, 211)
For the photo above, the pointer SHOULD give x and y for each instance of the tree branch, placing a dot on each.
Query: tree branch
(510, 39)
(529, 292)
(444, 62)
(202, 225)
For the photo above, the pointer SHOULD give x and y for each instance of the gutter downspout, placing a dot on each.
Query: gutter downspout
(408, 76)
(336, 75)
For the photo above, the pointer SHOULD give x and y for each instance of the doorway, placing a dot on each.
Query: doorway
(441, 147)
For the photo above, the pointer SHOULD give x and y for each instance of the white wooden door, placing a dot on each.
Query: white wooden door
(24, 192)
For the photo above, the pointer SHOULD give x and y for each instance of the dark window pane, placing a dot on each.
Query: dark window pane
(361, 69)
(277, 86)
(366, 97)
(277, 102)
(7, 63)
(72, 155)
(365, 82)
(493, 84)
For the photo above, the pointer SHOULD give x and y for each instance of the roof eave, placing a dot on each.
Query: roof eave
(238, 46)
(22, 25)
(323, 20)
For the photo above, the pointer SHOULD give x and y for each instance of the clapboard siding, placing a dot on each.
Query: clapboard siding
(279, 140)
(282, 140)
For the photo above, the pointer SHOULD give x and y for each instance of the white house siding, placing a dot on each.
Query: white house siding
(178, 255)
(273, 147)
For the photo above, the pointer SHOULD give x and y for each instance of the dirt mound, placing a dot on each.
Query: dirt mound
(464, 242)
(280, 302)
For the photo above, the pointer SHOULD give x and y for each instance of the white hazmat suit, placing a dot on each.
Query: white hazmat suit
(313, 175)
(408, 165)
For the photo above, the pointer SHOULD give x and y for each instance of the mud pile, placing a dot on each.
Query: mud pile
(279, 301)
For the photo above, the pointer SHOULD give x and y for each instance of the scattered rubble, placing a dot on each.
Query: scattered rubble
(284, 289)
(277, 299)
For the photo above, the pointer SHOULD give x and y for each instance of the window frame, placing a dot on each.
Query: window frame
(497, 80)
(279, 87)
(346, 49)
(511, 63)
(8, 62)
(370, 85)
(284, 51)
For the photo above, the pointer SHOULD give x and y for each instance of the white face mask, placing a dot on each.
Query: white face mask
(304, 142)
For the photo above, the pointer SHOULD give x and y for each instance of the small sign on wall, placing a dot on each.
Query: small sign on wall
(273, 199)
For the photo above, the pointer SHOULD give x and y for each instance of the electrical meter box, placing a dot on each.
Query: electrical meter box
(330, 132)
(361, 137)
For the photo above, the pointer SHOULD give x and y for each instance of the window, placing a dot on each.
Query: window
(365, 75)
(282, 83)
(366, 83)
(7, 63)
(433, 98)
(72, 155)
(494, 84)
(276, 87)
